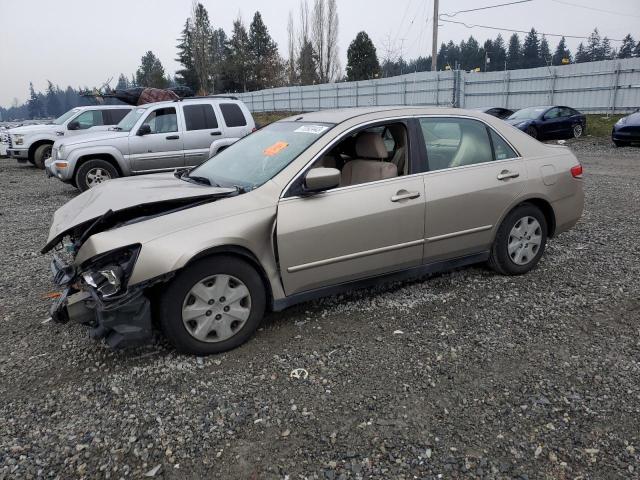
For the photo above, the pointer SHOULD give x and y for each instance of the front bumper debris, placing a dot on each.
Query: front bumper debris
(123, 322)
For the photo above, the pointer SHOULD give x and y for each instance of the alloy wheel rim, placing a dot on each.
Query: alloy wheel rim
(524, 241)
(577, 131)
(47, 152)
(97, 175)
(216, 308)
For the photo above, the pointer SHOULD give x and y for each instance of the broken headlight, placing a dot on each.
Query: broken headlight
(109, 272)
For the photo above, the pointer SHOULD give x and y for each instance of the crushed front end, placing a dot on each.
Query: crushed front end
(96, 293)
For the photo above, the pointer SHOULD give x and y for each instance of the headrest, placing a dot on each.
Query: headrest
(370, 145)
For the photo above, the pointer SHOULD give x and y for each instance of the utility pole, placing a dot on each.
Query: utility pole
(434, 47)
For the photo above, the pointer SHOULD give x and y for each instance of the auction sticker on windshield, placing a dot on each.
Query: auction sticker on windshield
(315, 129)
(275, 149)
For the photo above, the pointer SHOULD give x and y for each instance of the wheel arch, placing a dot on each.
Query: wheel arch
(545, 207)
(34, 146)
(97, 156)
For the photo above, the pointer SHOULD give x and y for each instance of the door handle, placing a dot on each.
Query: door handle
(216, 133)
(505, 174)
(404, 196)
(173, 137)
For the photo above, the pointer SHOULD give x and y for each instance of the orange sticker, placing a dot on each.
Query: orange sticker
(275, 148)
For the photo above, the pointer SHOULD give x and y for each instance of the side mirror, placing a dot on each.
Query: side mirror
(144, 130)
(73, 125)
(320, 179)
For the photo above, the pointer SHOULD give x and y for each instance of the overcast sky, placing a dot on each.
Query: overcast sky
(84, 43)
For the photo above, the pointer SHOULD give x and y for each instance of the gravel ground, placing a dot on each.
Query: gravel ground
(464, 375)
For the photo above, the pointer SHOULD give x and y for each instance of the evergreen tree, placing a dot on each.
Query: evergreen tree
(514, 54)
(362, 60)
(199, 45)
(545, 52)
(34, 104)
(627, 47)
(187, 74)
(217, 49)
(238, 58)
(472, 56)
(265, 59)
(561, 52)
(123, 82)
(531, 50)
(70, 98)
(498, 54)
(594, 47)
(53, 102)
(150, 73)
(307, 64)
(582, 55)
(636, 51)
(606, 50)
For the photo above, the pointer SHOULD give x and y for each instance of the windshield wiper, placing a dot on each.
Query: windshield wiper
(197, 179)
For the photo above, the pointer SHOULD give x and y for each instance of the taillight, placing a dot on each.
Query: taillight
(576, 172)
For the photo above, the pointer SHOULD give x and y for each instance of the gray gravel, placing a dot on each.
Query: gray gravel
(468, 374)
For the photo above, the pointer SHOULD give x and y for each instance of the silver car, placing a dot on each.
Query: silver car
(308, 206)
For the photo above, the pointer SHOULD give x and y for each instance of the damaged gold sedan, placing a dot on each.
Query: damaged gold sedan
(309, 206)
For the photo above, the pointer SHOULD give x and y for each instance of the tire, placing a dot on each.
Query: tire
(505, 260)
(94, 172)
(532, 132)
(32, 161)
(619, 144)
(577, 130)
(41, 154)
(210, 277)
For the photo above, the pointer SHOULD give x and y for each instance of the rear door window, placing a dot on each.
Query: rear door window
(233, 116)
(501, 149)
(200, 117)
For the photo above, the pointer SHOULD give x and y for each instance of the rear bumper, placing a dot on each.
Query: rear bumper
(20, 154)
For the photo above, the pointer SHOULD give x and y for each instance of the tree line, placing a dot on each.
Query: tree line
(212, 61)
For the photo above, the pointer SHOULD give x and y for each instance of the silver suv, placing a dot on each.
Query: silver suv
(152, 138)
(33, 142)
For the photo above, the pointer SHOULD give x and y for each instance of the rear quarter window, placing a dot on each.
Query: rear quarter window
(233, 116)
(113, 117)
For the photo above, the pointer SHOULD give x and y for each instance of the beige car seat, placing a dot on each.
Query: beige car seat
(371, 164)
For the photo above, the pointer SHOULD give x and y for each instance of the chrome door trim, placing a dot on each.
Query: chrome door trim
(352, 256)
(459, 233)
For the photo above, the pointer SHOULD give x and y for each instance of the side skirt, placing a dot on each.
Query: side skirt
(414, 272)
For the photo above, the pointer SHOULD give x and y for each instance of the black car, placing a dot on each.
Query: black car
(498, 112)
(627, 130)
(549, 122)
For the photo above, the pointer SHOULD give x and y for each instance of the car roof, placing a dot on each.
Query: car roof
(343, 114)
(102, 107)
(187, 100)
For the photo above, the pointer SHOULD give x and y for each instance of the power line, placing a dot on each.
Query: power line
(595, 9)
(484, 8)
(522, 31)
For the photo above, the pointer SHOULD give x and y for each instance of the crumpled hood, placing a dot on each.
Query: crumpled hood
(31, 129)
(94, 136)
(128, 194)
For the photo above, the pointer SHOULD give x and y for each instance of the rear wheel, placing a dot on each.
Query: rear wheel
(94, 172)
(532, 132)
(41, 154)
(577, 131)
(213, 305)
(520, 241)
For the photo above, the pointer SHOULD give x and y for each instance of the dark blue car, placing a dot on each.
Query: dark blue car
(626, 130)
(549, 122)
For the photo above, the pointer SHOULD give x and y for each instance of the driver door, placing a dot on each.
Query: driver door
(350, 232)
(162, 149)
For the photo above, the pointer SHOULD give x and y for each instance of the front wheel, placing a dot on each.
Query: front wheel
(213, 305)
(41, 154)
(93, 173)
(532, 132)
(520, 241)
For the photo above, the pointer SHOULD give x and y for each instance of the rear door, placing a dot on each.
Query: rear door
(201, 129)
(162, 149)
(468, 192)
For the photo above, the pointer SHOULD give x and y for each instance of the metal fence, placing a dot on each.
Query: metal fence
(610, 86)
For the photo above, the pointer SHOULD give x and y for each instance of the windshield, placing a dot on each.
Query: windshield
(260, 156)
(130, 119)
(65, 116)
(527, 113)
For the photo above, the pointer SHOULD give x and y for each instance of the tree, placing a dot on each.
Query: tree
(332, 66)
(54, 109)
(606, 49)
(265, 59)
(531, 50)
(582, 55)
(636, 51)
(496, 53)
(514, 54)
(218, 49)
(594, 47)
(472, 56)
(238, 64)
(200, 38)
(123, 82)
(362, 60)
(627, 47)
(151, 72)
(291, 46)
(545, 52)
(34, 104)
(187, 75)
(307, 64)
(561, 53)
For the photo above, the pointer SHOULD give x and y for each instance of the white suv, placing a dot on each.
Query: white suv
(152, 138)
(33, 142)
